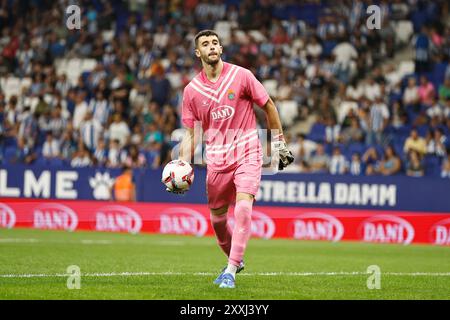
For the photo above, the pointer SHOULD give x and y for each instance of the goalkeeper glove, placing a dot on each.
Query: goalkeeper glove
(286, 157)
(176, 190)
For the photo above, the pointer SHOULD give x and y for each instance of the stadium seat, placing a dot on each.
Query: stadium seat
(9, 155)
(223, 28)
(271, 86)
(288, 110)
(41, 161)
(317, 132)
(432, 165)
(404, 29)
(56, 162)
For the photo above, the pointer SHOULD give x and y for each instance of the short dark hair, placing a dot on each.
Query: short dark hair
(205, 33)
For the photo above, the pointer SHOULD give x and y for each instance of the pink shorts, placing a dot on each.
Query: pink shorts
(221, 187)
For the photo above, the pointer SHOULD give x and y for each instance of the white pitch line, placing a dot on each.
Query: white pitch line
(18, 240)
(269, 274)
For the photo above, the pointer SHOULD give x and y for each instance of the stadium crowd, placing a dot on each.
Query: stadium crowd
(321, 55)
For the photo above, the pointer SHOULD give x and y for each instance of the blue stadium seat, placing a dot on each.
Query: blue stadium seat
(9, 155)
(432, 165)
(56, 162)
(10, 142)
(41, 161)
(317, 132)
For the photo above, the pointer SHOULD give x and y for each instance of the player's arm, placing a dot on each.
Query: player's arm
(278, 142)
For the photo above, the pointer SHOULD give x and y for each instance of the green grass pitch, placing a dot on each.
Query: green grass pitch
(33, 265)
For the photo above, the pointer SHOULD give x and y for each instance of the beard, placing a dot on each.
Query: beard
(206, 59)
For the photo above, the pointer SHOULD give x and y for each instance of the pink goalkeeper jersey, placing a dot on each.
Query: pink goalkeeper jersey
(224, 110)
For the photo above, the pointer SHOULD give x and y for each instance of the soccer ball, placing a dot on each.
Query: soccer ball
(178, 175)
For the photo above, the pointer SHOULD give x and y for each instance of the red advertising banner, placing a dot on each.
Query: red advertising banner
(193, 219)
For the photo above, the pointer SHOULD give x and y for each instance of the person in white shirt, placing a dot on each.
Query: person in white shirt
(314, 48)
(338, 163)
(119, 130)
(90, 131)
(82, 157)
(379, 118)
(411, 93)
(50, 149)
(115, 154)
(79, 113)
(372, 89)
(355, 165)
(100, 108)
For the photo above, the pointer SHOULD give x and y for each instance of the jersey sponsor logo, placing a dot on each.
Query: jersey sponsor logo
(182, 221)
(440, 232)
(386, 229)
(262, 225)
(54, 216)
(317, 226)
(7, 216)
(222, 113)
(118, 218)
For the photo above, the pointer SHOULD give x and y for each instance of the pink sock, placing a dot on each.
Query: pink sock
(241, 232)
(223, 232)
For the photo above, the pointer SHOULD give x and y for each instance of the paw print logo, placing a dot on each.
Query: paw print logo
(101, 184)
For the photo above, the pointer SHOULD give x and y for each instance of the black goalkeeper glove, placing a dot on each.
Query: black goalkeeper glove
(286, 156)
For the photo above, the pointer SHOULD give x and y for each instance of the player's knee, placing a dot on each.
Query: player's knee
(243, 211)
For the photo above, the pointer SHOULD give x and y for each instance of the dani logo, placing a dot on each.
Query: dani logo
(7, 216)
(317, 226)
(55, 216)
(386, 229)
(222, 113)
(440, 232)
(182, 221)
(117, 218)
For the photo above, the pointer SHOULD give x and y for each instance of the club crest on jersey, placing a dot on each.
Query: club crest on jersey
(222, 112)
(231, 94)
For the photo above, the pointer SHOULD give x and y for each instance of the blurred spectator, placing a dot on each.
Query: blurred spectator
(116, 154)
(135, 159)
(353, 133)
(319, 161)
(356, 167)
(332, 130)
(159, 85)
(426, 91)
(391, 163)
(68, 145)
(414, 167)
(100, 108)
(90, 131)
(51, 147)
(371, 161)
(81, 157)
(445, 169)
(422, 50)
(411, 93)
(379, 118)
(81, 108)
(436, 143)
(124, 188)
(100, 153)
(415, 143)
(444, 90)
(338, 163)
(302, 147)
(118, 130)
